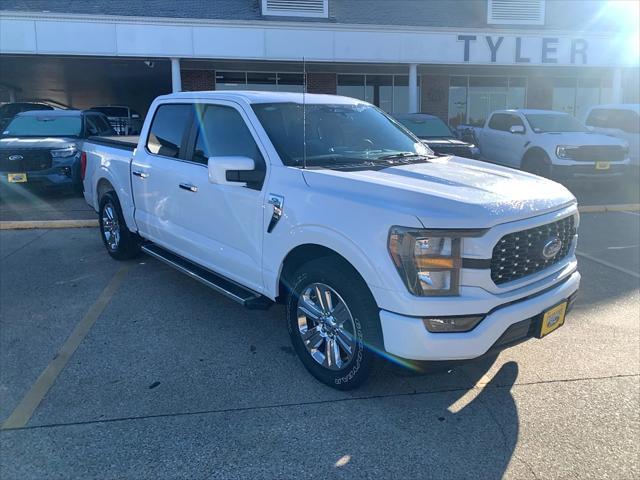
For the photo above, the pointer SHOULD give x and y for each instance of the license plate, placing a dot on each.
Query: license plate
(17, 177)
(603, 165)
(553, 319)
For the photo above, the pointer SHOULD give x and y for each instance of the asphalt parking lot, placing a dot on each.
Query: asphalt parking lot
(170, 379)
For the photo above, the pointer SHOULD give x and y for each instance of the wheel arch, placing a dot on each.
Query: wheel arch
(303, 253)
(534, 152)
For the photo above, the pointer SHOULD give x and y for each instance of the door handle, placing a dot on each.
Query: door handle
(140, 173)
(188, 187)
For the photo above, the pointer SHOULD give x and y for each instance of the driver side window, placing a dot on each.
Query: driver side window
(222, 132)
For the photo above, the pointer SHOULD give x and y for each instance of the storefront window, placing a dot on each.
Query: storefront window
(458, 101)
(231, 80)
(351, 86)
(389, 92)
(575, 96)
(472, 99)
(587, 95)
(261, 81)
(290, 82)
(564, 94)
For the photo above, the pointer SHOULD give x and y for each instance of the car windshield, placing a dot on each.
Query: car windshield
(44, 126)
(336, 135)
(427, 127)
(555, 122)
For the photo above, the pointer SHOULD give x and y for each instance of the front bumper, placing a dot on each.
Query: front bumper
(406, 336)
(64, 174)
(588, 171)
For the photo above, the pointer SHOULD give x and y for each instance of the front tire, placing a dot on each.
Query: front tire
(334, 323)
(121, 243)
(537, 163)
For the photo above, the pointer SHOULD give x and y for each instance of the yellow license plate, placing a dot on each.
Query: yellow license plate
(553, 319)
(17, 177)
(603, 165)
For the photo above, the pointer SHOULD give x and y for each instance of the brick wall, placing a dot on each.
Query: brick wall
(322, 83)
(195, 80)
(539, 92)
(435, 95)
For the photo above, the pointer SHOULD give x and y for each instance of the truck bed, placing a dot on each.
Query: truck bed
(129, 142)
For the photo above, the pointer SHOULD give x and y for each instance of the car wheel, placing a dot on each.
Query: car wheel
(538, 164)
(333, 322)
(121, 243)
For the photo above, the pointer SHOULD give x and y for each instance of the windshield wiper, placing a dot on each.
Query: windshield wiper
(399, 155)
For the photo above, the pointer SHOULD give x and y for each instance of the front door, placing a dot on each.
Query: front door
(224, 222)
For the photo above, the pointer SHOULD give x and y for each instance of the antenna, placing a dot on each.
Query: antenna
(304, 113)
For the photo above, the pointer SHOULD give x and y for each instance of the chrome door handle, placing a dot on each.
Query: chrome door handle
(140, 173)
(188, 187)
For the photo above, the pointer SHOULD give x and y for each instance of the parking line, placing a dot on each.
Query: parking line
(23, 412)
(33, 224)
(609, 264)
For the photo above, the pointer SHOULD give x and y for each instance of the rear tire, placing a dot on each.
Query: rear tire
(333, 322)
(121, 243)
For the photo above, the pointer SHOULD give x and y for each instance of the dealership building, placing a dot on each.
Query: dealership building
(458, 59)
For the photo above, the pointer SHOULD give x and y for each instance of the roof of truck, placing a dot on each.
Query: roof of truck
(264, 97)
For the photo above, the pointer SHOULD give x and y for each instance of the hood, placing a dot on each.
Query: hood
(584, 138)
(448, 192)
(17, 143)
(444, 142)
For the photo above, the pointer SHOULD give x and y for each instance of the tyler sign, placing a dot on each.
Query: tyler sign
(537, 50)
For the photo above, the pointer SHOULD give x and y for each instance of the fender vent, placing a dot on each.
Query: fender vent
(515, 12)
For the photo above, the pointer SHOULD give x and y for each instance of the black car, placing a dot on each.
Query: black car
(10, 110)
(437, 135)
(43, 147)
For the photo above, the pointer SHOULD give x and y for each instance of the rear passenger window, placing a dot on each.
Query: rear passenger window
(168, 128)
(223, 133)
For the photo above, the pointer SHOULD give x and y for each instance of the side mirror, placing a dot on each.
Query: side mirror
(516, 129)
(230, 170)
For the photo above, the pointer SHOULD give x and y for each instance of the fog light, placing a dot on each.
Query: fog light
(451, 324)
(66, 171)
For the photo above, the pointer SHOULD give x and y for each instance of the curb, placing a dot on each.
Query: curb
(624, 207)
(45, 224)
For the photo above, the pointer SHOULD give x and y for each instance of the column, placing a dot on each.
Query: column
(176, 80)
(413, 88)
(616, 87)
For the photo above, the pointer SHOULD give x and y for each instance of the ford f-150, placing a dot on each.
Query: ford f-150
(326, 204)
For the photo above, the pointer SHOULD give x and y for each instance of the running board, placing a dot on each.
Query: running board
(226, 287)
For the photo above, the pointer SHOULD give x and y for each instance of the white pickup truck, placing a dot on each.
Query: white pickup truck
(376, 247)
(551, 144)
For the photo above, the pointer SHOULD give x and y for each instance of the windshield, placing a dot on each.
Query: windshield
(335, 134)
(44, 126)
(426, 127)
(560, 122)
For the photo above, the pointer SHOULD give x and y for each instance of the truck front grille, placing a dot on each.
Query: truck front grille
(32, 160)
(519, 254)
(597, 153)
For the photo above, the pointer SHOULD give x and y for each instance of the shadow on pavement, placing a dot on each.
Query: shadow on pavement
(21, 203)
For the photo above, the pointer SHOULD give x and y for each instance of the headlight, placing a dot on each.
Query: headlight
(564, 151)
(64, 152)
(428, 261)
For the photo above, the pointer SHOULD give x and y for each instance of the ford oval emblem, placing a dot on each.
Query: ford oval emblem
(15, 158)
(551, 248)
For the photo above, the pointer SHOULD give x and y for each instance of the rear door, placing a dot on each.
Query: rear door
(156, 171)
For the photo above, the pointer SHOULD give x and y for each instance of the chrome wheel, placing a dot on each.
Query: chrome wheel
(326, 326)
(110, 227)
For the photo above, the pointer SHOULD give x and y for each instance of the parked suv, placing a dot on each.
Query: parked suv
(326, 204)
(621, 121)
(10, 110)
(43, 147)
